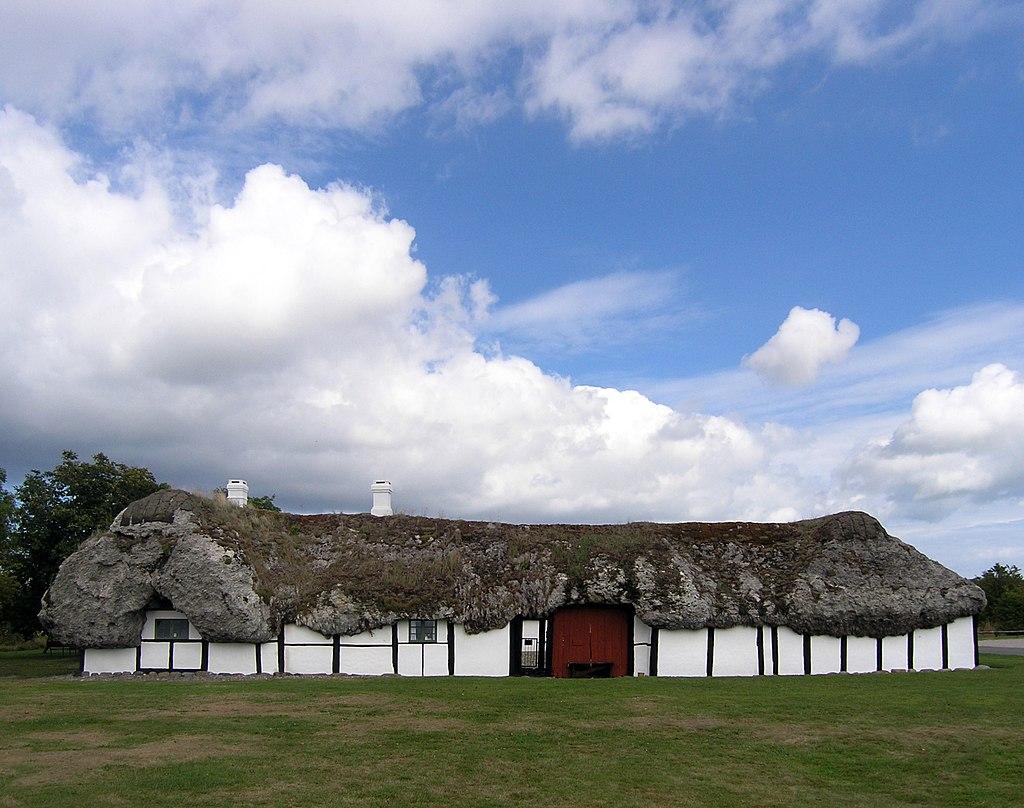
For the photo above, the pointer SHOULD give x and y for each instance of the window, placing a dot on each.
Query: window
(422, 631)
(171, 629)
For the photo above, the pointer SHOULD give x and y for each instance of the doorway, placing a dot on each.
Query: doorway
(592, 641)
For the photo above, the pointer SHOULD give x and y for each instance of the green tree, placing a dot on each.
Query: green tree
(264, 503)
(1004, 588)
(55, 511)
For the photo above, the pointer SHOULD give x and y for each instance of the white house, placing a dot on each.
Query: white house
(182, 583)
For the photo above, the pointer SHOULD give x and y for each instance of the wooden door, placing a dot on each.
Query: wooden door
(594, 636)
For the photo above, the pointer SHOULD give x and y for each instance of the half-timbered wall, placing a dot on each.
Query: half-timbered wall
(737, 651)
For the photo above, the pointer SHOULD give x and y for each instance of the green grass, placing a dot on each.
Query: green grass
(912, 739)
(32, 662)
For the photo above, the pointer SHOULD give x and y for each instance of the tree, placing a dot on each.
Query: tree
(1004, 588)
(55, 511)
(264, 503)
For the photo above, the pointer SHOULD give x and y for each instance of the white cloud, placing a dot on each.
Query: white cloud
(610, 309)
(959, 445)
(290, 336)
(807, 340)
(609, 67)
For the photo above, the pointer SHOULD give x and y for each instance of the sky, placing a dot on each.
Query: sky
(591, 261)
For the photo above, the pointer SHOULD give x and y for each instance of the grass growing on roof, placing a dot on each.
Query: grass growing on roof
(923, 738)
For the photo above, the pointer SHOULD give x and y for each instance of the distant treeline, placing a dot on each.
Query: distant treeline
(1004, 587)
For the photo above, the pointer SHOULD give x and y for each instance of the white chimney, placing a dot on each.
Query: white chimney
(381, 490)
(238, 492)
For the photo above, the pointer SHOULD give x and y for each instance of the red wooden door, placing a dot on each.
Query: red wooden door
(590, 635)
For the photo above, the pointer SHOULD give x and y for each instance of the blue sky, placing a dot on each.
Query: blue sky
(587, 263)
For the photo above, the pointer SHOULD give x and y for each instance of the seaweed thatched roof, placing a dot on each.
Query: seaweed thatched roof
(238, 574)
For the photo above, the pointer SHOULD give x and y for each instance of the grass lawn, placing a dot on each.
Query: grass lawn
(914, 739)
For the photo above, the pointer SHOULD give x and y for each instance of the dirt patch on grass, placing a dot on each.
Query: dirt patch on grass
(80, 737)
(29, 767)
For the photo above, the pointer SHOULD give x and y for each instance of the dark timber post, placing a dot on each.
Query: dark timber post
(280, 650)
(394, 646)
(807, 654)
(775, 650)
(945, 646)
(760, 650)
(515, 647)
(205, 663)
(878, 654)
(654, 651)
(336, 654)
(451, 647)
(711, 651)
(842, 654)
(977, 657)
(910, 650)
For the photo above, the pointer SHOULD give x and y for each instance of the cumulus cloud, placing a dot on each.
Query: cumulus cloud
(290, 336)
(608, 67)
(807, 340)
(959, 445)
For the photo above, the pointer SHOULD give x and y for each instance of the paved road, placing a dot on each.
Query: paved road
(1005, 646)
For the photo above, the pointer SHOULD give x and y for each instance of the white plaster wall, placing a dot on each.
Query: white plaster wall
(366, 661)
(735, 652)
(268, 657)
(960, 643)
(894, 653)
(295, 633)
(149, 627)
(308, 658)
(928, 649)
(111, 660)
(231, 657)
(435, 659)
(768, 650)
(791, 652)
(861, 654)
(410, 659)
(683, 653)
(641, 631)
(826, 654)
(188, 655)
(484, 654)
(379, 636)
(155, 655)
(531, 629)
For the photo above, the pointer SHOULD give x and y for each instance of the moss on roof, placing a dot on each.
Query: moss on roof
(239, 573)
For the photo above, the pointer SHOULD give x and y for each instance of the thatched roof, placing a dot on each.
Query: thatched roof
(239, 573)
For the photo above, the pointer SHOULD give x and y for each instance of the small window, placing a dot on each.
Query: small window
(171, 629)
(422, 631)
